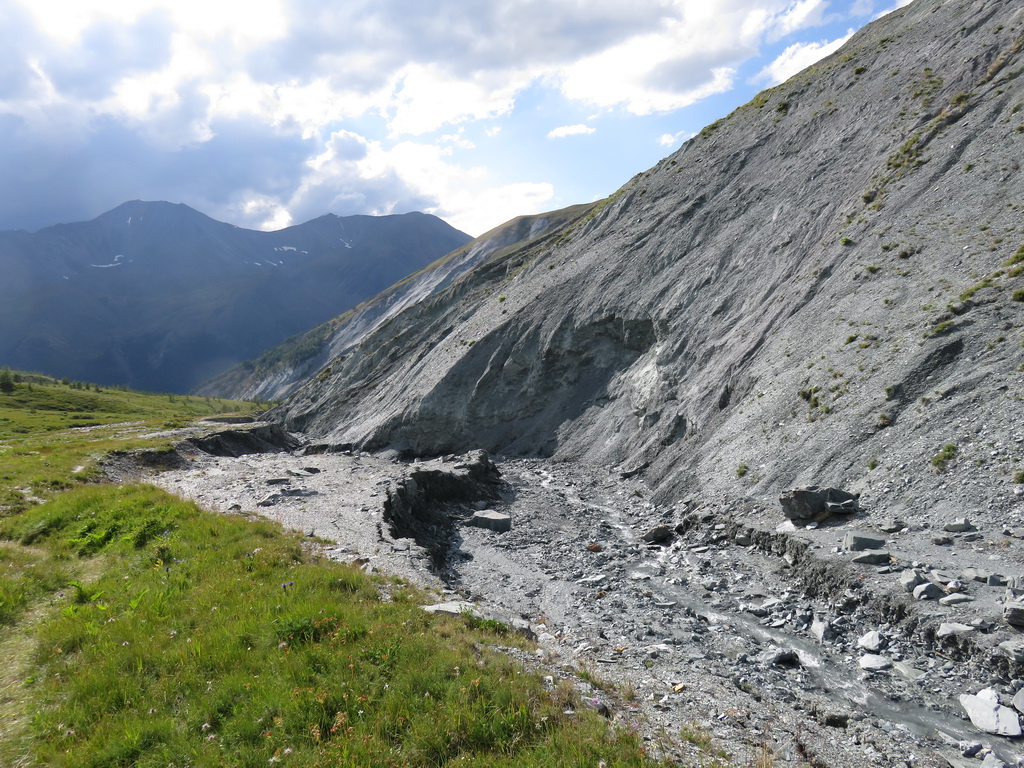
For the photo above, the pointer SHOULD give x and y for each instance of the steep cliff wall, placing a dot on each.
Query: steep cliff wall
(824, 286)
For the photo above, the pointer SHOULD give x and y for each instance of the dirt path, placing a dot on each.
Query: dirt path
(17, 647)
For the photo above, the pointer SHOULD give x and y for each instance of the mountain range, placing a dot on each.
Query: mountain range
(280, 370)
(158, 296)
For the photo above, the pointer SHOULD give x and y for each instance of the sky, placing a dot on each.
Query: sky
(267, 113)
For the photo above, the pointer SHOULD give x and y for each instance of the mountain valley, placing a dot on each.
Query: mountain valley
(740, 447)
(158, 296)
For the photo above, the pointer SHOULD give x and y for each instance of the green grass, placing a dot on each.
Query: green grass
(162, 633)
(220, 641)
(26, 575)
(943, 457)
(50, 430)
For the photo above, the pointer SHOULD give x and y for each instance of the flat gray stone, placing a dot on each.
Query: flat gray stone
(911, 579)
(892, 526)
(1013, 613)
(956, 599)
(872, 557)
(960, 525)
(1014, 649)
(858, 541)
(928, 591)
(500, 522)
(950, 628)
(989, 715)
(872, 662)
(1018, 700)
(453, 608)
(913, 674)
(870, 641)
(658, 535)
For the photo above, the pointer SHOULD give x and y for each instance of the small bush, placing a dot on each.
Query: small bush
(943, 457)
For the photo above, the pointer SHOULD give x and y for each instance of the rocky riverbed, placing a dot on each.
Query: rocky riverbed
(710, 617)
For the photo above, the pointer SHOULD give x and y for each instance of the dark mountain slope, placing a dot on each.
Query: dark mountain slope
(159, 296)
(280, 370)
(818, 288)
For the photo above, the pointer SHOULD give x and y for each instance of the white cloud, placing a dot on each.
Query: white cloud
(899, 4)
(246, 21)
(671, 139)
(426, 98)
(800, 15)
(343, 102)
(797, 57)
(570, 130)
(357, 175)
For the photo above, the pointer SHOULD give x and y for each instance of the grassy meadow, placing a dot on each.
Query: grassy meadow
(137, 629)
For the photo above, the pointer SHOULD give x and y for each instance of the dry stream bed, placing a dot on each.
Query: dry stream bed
(723, 624)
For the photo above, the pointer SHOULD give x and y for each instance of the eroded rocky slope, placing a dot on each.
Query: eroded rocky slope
(280, 370)
(822, 287)
(825, 287)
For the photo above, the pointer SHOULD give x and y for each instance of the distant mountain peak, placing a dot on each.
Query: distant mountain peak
(157, 295)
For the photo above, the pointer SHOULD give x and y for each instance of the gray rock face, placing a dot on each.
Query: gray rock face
(1013, 613)
(492, 520)
(872, 662)
(280, 370)
(658, 535)
(682, 322)
(910, 580)
(870, 641)
(950, 628)
(872, 557)
(814, 503)
(1014, 649)
(960, 525)
(989, 715)
(928, 591)
(857, 541)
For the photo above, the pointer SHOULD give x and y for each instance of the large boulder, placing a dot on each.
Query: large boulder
(814, 504)
(989, 715)
(858, 541)
(492, 520)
